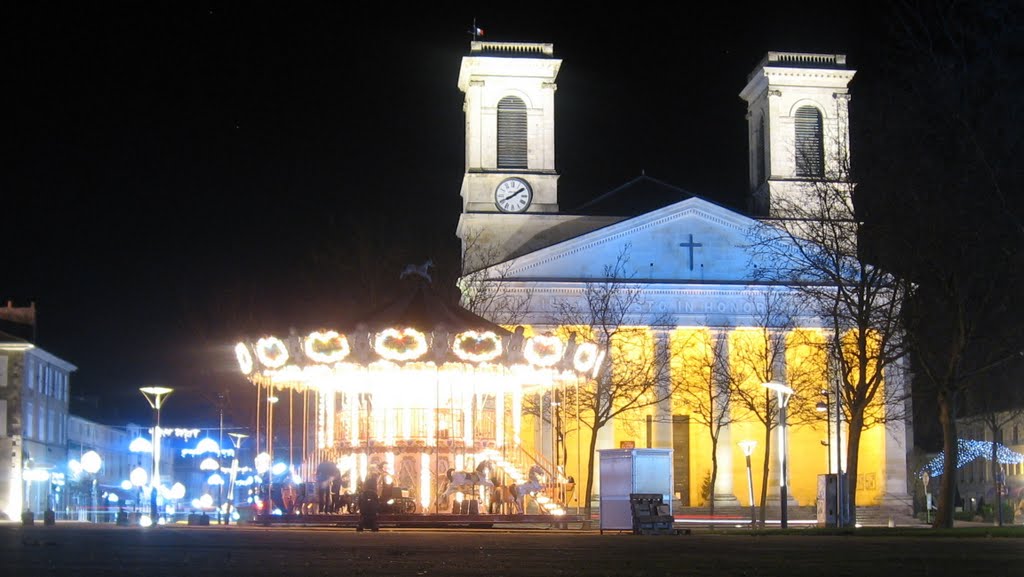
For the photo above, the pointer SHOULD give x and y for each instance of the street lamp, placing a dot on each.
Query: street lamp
(91, 463)
(784, 393)
(748, 450)
(236, 440)
(824, 407)
(155, 396)
(138, 478)
(271, 401)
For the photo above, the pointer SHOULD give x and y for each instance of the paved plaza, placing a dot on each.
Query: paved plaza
(70, 549)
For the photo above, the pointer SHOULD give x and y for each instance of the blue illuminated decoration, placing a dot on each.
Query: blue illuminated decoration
(969, 450)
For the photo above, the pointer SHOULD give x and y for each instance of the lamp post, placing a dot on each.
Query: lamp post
(236, 440)
(271, 401)
(156, 396)
(748, 450)
(91, 463)
(784, 393)
(138, 478)
(824, 407)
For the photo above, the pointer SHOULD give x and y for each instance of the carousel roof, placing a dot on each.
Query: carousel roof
(420, 331)
(422, 308)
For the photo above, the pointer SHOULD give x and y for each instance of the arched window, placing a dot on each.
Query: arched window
(810, 154)
(759, 153)
(511, 133)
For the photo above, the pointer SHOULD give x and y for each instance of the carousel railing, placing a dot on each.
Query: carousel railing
(537, 476)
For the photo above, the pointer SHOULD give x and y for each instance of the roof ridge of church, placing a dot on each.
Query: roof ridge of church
(641, 177)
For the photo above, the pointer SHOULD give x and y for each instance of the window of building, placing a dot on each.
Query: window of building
(810, 152)
(30, 420)
(511, 133)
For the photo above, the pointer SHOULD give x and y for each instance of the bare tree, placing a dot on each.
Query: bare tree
(634, 373)
(758, 355)
(950, 136)
(486, 288)
(814, 247)
(704, 390)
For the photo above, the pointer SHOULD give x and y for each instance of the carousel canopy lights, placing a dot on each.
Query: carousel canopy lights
(969, 450)
(475, 347)
(326, 347)
(400, 345)
(244, 358)
(543, 351)
(272, 352)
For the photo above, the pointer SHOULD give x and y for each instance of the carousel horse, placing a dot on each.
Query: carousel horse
(533, 484)
(422, 270)
(503, 500)
(460, 481)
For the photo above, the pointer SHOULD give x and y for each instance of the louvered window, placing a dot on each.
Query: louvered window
(511, 133)
(759, 155)
(810, 154)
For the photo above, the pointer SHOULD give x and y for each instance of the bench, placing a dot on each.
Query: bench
(651, 515)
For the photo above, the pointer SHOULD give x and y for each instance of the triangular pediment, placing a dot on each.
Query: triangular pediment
(690, 241)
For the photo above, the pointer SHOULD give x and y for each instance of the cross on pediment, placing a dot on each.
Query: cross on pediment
(690, 245)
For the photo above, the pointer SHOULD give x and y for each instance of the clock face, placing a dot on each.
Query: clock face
(513, 195)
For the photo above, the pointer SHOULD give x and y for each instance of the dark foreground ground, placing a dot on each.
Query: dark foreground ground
(83, 549)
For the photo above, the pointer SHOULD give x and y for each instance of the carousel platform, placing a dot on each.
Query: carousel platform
(423, 520)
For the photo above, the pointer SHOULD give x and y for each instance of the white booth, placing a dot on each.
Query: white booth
(625, 471)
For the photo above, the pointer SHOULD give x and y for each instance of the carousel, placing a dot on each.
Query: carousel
(420, 402)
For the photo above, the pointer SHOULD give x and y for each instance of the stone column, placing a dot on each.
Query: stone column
(895, 498)
(723, 494)
(778, 342)
(661, 434)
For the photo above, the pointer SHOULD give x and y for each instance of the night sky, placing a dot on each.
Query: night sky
(180, 174)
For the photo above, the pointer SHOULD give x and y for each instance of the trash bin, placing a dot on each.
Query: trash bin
(28, 518)
(49, 517)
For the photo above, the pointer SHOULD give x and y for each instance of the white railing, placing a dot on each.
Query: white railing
(545, 49)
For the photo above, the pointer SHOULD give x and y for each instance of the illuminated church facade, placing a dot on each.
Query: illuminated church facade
(686, 258)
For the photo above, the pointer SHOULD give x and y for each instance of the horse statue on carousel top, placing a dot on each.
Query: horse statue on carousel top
(468, 481)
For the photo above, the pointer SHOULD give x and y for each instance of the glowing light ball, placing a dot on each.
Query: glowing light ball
(207, 445)
(91, 462)
(140, 445)
(262, 463)
(209, 464)
(145, 521)
(138, 477)
(177, 491)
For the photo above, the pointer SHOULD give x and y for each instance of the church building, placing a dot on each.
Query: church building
(693, 285)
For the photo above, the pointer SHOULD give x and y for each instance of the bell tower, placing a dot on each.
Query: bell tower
(510, 177)
(798, 127)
